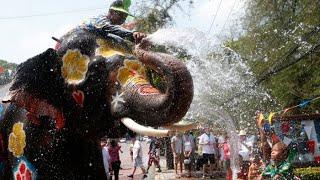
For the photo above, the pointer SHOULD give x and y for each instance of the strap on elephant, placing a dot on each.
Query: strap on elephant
(37, 108)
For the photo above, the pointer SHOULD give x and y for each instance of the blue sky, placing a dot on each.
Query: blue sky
(22, 38)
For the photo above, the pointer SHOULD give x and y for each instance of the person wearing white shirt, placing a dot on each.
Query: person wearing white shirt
(244, 153)
(177, 150)
(188, 145)
(137, 158)
(220, 149)
(106, 158)
(208, 143)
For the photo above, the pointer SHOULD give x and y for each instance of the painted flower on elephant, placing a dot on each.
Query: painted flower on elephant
(133, 71)
(24, 171)
(17, 140)
(106, 49)
(75, 66)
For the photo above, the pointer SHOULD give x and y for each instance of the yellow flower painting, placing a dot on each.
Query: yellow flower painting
(75, 66)
(17, 140)
(106, 49)
(133, 71)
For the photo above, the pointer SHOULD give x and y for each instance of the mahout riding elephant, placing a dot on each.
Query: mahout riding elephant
(62, 101)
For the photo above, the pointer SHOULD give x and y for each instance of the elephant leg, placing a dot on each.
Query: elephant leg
(41, 150)
(86, 157)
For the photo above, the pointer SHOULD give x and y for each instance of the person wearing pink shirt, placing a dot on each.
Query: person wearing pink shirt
(226, 153)
(113, 150)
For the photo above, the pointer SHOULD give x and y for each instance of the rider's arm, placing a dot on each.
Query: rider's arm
(103, 27)
(119, 31)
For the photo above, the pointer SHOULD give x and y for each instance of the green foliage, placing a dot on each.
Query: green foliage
(156, 80)
(7, 65)
(308, 173)
(281, 45)
(154, 77)
(153, 15)
(8, 71)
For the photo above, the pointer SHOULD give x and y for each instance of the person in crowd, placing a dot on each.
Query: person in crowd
(106, 157)
(208, 143)
(137, 158)
(195, 147)
(154, 153)
(189, 135)
(225, 146)
(244, 155)
(216, 165)
(279, 167)
(221, 140)
(188, 145)
(158, 151)
(131, 149)
(256, 167)
(278, 164)
(177, 150)
(115, 162)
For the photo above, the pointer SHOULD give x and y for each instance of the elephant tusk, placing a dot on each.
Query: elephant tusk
(135, 127)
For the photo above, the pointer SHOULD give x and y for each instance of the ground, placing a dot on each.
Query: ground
(126, 165)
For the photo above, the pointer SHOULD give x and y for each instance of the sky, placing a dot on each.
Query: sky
(26, 27)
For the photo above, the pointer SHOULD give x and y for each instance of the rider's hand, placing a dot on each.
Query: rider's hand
(138, 36)
(146, 45)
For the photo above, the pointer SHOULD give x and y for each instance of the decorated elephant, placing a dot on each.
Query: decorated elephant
(61, 102)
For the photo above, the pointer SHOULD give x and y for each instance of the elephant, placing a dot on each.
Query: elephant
(62, 101)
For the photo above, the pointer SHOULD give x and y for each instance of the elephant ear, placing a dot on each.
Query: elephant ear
(40, 77)
(38, 86)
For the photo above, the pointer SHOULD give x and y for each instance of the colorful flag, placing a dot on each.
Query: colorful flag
(270, 117)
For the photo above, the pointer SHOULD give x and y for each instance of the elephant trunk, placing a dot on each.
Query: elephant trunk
(149, 105)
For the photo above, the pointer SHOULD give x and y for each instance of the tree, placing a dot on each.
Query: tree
(281, 44)
(156, 14)
(7, 71)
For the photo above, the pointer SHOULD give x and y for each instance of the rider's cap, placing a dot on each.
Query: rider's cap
(121, 6)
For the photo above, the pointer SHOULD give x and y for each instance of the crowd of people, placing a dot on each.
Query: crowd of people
(111, 157)
(207, 153)
(212, 152)
(190, 154)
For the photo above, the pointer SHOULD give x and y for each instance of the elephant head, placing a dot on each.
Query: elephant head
(63, 100)
(129, 92)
